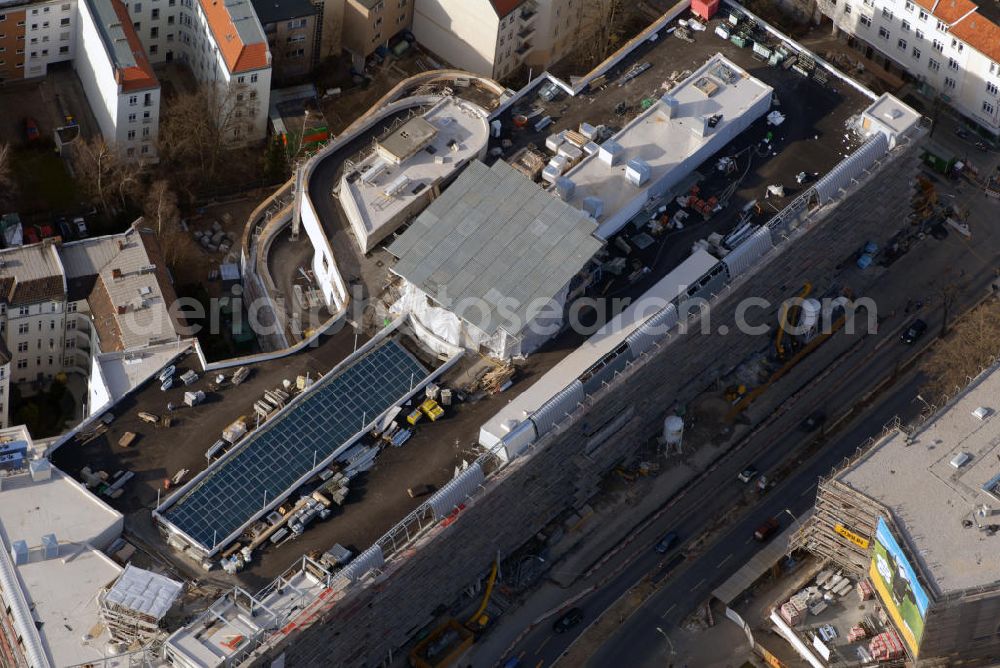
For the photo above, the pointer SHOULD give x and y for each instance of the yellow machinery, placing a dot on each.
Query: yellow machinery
(749, 398)
(445, 644)
(431, 409)
(786, 319)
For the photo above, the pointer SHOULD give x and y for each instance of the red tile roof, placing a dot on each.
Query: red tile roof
(141, 75)
(950, 11)
(981, 34)
(239, 57)
(505, 7)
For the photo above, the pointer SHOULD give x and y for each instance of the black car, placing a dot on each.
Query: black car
(813, 422)
(667, 543)
(570, 618)
(66, 231)
(913, 332)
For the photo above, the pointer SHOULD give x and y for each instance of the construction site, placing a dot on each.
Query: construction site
(921, 545)
(393, 474)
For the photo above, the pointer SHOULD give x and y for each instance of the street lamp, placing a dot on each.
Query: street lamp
(667, 638)
(794, 518)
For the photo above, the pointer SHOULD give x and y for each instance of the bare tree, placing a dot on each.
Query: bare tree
(162, 215)
(196, 130)
(600, 29)
(109, 178)
(972, 344)
(6, 172)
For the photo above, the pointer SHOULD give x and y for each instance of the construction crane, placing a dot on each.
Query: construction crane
(786, 318)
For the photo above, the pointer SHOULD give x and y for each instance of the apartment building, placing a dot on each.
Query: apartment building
(113, 46)
(561, 25)
(60, 305)
(369, 24)
(952, 47)
(291, 27)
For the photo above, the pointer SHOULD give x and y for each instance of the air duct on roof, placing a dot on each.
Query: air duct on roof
(671, 107)
(19, 552)
(611, 153)
(50, 546)
(637, 172)
(594, 206)
(565, 188)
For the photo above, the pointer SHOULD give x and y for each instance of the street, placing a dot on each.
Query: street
(860, 370)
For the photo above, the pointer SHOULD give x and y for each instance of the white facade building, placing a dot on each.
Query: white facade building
(952, 46)
(49, 35)
(98, 303)
(487, 37)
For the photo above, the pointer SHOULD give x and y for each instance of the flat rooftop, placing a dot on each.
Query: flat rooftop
(674, 134)
(931, 500)
(316, 426)
(379, 193)
(593, 349)
(61, 591)
(495, 239)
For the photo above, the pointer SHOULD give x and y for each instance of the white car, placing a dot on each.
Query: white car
(748, 474)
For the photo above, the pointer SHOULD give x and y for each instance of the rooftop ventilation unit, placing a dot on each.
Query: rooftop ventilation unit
(19, 552)
(981, 413)
(611, 153)
(594, 206)
(565, 188)
(960, 460)
(50, 546)
(637, 172)
(671, 107)
(397, 185)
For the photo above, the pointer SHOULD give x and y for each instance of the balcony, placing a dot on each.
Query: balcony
(529, 11)
(525, 32)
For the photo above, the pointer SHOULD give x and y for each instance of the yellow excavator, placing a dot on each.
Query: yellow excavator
(789, 315)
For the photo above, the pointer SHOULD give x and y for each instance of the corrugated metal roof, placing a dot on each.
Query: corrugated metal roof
(495, 238)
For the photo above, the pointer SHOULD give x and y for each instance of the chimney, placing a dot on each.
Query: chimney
(116, 274)
(123, 309)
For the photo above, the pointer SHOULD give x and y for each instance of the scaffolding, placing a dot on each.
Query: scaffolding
(134, 605)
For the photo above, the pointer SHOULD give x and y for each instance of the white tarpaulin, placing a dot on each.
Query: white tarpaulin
(144, 592)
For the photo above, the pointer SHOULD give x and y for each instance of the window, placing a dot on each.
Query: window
(938, 45)
(65, 7)
(154, 32)
(253, 78)
(145, 117)
(63, 49)
(45, 24)
(145, 149)
(866, 21)
(915, 53)
(909, 6)
(922, 15)
(64, 37)
(887, 13)
(942, 26)
(138, 7)
(883, 33)
(919, 33)
(133, 100)
(906, 26)
(22, 347)
(22, 364)
(253, 95)
(153, 48)
(145, 132)
(156, 13)
(137, 26)
(949, 82)
(953, 64)
(64, 22)
(933, 65)
(131, 134)
(170, 36)
(988, 107)
(992, 88)
(847, 9)
(22, 328)
(131, 118)
(241, 79)
(170, 20)
(71, 325)
(22, 310)
(901, 45)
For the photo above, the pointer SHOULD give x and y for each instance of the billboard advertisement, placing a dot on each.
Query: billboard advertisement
(896, 583)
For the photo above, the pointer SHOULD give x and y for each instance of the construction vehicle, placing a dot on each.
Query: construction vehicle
(431, 409)
(789, 316)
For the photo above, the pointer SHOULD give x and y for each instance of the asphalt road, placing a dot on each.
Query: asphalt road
(638, 643)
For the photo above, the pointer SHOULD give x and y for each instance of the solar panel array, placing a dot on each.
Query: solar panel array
(269, 462)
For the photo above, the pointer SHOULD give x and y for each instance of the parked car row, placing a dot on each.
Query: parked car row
(68, 229)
